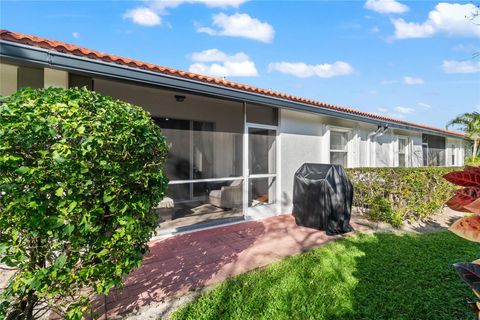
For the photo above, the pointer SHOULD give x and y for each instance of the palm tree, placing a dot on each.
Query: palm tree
(470, 124)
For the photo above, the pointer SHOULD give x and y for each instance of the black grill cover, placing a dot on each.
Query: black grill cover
(322, 198)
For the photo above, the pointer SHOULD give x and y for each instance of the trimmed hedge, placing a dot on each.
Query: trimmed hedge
(395, 195)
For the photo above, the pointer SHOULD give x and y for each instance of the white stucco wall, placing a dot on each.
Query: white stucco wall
(302, 137)
(417, 151)
(8, 79)
(455, 147)
(384, 150)
(55, 78)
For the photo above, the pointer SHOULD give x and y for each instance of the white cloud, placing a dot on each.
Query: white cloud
(211, 55)
(405, 30)
(224, 65)
(397, 115)
(411, 81)
(469, 48)
(239, 25)
(447, 18)
(375, 29)
(401, 112)
(76, 35)
(150, 14)
(386, 6)
(162, 5)
(143, 16)
(467, 66)
(404, 110)
(424, 105)
(302, 70)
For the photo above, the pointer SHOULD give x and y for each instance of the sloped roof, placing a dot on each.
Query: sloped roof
(68, 48)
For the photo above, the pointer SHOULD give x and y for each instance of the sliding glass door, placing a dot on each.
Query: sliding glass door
(190, 154)
(204, 166)
(261, 167)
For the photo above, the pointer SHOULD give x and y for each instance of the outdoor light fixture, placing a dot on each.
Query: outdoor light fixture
(179, 98)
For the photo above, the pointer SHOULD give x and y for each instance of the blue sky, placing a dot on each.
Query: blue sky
(410, 60)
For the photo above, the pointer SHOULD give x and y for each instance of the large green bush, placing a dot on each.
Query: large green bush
(79, 174)
(395, 195)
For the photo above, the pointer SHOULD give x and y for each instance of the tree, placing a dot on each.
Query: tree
(79, 174)
(470, 124)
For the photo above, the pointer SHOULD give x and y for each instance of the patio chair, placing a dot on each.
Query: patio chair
(228, 196)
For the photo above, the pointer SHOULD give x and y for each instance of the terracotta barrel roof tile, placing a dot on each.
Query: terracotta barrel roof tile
(93, 54)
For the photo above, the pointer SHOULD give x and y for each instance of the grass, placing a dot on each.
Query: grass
(379, 276)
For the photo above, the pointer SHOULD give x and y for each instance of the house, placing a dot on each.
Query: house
(234, 148)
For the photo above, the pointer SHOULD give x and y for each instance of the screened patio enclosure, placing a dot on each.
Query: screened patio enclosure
(433, 148)
(222, 157)
(211, 179)
(204, 166)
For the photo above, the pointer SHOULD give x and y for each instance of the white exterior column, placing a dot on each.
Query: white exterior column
(8, 79)
(55, 78)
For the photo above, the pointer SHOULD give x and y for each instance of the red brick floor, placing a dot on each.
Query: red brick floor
(190, 261)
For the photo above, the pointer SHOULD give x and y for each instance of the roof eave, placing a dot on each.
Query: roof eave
(17, 52)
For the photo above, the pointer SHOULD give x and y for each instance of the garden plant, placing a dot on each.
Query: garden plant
(467, 199)
(79, 174)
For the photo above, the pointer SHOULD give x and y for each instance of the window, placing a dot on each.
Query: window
(453, 154)
(425, 153)
(402, 152)
(433, 150)
(338, 147)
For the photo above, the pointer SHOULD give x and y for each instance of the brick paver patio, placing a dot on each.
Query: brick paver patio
(190, 261)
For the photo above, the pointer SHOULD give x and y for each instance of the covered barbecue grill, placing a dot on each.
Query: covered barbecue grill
(322, 198)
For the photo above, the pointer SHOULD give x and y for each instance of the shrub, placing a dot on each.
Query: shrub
(472, 161)
(395, 195)
(380, 209)
(79, 174)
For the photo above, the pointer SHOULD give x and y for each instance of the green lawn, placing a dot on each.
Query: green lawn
(381, 276)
